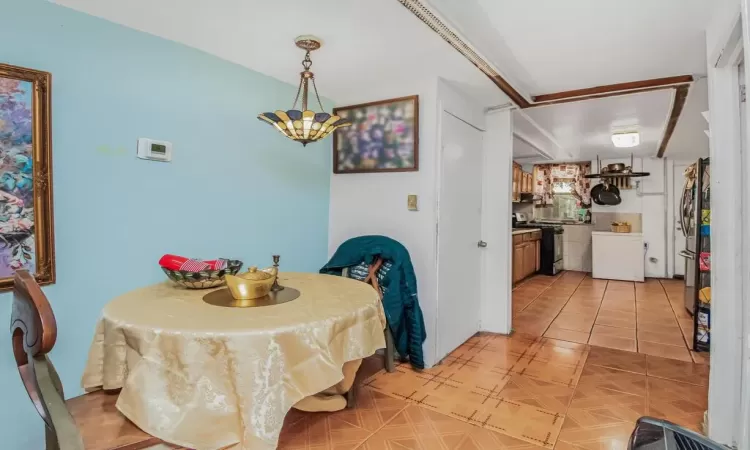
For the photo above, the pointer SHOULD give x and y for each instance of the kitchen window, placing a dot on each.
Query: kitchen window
(564, 203)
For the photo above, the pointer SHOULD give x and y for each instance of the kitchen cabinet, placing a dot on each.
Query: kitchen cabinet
(529, 258)
(518, 270)
(517, 181)
(527, 184)
(526, 254)
(523, 182)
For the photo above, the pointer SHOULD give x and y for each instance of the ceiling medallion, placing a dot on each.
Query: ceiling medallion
(305, 126)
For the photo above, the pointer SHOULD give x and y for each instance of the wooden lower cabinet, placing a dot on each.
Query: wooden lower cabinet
(526, 257)
(529, 258)
(518, 269)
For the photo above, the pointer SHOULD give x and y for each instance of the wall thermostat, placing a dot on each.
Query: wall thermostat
(154, 150)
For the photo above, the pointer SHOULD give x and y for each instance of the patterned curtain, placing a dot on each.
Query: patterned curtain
(545, 176)
(582, 186)
(543, 184)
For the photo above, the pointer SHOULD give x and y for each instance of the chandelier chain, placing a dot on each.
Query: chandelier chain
(296, 99)
(315, 88)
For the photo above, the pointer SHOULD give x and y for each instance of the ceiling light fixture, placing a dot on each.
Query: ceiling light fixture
(627, 139)
(305, 126)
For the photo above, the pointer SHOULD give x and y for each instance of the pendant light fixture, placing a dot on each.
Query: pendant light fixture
(305, 126)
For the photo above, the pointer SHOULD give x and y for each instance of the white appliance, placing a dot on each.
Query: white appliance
(618, 256)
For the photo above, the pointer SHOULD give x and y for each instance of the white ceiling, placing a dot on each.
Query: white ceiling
(540, 46)
(585, 128)
(366, 43)
(546, 46)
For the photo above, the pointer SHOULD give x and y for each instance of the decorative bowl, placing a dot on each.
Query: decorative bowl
(252, 284)
(205, 278)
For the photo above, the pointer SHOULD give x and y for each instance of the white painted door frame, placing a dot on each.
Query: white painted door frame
(743, 438)
(458, 105)
(730, 280)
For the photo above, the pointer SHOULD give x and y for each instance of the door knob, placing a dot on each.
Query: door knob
(481, 244)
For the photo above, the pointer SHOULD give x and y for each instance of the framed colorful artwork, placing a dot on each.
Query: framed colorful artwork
(26, 222)
(383, 137)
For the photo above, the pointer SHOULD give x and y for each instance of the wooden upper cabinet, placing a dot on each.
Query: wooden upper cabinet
(523, 182)
(517, 182)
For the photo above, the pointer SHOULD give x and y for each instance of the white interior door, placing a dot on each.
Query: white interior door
(459, 233)
(680, 242)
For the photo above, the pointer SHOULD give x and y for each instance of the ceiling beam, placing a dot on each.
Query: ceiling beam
(678, 105)
(610, 90)
(426, 16)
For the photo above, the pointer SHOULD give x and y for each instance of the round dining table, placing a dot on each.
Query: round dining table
(212, 377)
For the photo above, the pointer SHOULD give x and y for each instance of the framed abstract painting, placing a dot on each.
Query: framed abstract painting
(26, 222)
(383, 137)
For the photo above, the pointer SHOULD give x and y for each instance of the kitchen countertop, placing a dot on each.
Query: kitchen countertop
(610, 233)
(525, 230)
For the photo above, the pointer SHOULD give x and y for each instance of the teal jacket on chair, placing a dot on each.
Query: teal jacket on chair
(399, 286)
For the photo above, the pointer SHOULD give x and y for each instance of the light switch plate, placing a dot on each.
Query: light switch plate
(411, 202)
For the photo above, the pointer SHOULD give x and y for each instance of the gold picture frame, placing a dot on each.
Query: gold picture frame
(388, 128)
(27, 238)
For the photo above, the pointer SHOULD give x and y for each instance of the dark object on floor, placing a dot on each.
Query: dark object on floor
(89, 421)
(398, 284)
(656, 434)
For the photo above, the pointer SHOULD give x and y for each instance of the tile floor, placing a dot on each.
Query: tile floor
(519, 392)
(588, 358)
(647, 318)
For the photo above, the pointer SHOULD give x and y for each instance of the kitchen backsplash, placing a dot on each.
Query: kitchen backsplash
(603, 220)
(526, 208)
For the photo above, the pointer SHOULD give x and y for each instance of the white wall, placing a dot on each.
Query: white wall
(496, 223)
(726, 217)
(364, 204)
(649, 201)
(375, 203)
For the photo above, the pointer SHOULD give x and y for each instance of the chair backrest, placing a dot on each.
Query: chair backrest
(33, 332)
(372, 275)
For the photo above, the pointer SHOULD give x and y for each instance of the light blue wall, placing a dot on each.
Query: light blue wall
(235, 188)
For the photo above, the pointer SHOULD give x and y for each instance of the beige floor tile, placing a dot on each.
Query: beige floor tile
(417, 428)
(681, 371)
(668, 338)
(618, 306)
(541, 394)
(658, 327)
(568, 335)
(608, 381)
(602, 330)
(617, 359)
(613, 342)
(615, 322)
(665, 351)
(683, 404)
(539, 369)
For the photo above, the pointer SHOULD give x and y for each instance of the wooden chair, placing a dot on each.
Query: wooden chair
(390, 348)
(88, 422)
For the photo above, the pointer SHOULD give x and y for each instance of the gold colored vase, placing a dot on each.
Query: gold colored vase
(251, 284)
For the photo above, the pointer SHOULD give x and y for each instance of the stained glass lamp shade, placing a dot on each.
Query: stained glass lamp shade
(305, 125)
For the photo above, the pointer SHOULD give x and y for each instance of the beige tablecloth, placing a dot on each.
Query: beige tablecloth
(208, 377)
